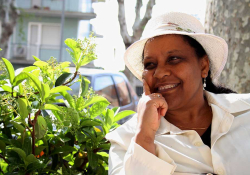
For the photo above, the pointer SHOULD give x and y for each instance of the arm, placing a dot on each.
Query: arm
(136, 160)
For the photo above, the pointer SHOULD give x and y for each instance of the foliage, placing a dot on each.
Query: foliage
(40, 137)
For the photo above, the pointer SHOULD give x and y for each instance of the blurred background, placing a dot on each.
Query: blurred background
(39, 27)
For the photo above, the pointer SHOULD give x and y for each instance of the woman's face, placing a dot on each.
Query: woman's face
(172, 68)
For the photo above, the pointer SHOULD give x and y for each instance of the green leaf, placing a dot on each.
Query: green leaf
(84, 85)
(40, 64)
(65, 64)
(92, 157)
(19, 78)
(20, 89)
(97, 108)
(75, 48)
(30, 159)
(94, 99)
(80, 137)
(46, 91)
(29, 68)
(63, 149)
(88, 58)
(69, 99)
(40, 127)
(6, 88)
(123, 114)
(27, 146)
(35, 166)
(109, 118)
(2, 146)
(39, 149)
(105, 146)
(22, 106)
(49, 123)
(35, 80)
(19, 127)
(90, 122)
(24, 75)
(37, 59)
(60, 89)
(51, 107)
(91, 133)
(20, 152)
(63, 78)
(10, 69)
(64, 138)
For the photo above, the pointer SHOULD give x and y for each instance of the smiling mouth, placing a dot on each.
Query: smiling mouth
(167, 87)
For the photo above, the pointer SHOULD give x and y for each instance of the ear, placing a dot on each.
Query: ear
(204, 62)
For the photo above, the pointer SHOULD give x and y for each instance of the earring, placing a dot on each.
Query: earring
(204, 84)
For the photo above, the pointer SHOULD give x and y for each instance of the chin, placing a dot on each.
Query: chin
(173, 103)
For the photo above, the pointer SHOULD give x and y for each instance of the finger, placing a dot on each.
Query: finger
(161, 104)
(156, 95)
(146, 88)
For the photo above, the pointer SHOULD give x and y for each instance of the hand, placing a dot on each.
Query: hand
(151, 108)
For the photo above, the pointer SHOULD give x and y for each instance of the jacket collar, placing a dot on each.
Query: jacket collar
(231, 103)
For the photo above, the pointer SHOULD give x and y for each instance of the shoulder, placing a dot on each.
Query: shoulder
(230, 102)
(124, 133)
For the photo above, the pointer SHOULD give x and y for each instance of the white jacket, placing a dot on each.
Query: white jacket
(182, 152)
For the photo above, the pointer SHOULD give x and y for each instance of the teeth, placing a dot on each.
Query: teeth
(167, 87)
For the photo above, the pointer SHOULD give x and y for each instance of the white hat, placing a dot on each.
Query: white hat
(183, 24)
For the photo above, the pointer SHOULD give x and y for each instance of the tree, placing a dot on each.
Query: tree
(8, 18)
(230, 20)
(138, 27)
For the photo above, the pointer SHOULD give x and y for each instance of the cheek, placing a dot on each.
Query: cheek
(190, 76)
(148, 77)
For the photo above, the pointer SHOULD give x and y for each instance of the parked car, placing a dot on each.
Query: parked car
(114, 86)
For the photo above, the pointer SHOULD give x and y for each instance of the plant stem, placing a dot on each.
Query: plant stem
(33, 140)
(19, 96)
(33, 123)
(71, 79)
(1, 156)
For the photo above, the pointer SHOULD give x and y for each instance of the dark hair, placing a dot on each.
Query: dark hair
(200, 52)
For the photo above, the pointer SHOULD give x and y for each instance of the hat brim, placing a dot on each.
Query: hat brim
(215, 47)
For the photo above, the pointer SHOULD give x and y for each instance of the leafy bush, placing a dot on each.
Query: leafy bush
(38, 136)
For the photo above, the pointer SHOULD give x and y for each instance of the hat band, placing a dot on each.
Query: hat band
(173, 27)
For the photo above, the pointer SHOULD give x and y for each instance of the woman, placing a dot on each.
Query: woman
(185, 124)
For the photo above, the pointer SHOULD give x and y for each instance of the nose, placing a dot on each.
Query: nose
(161, 71)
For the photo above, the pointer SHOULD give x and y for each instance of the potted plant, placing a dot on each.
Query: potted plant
(39, 137)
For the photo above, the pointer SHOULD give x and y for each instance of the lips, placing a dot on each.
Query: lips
(166, 87)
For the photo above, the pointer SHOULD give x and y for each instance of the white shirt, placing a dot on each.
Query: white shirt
(182, 152)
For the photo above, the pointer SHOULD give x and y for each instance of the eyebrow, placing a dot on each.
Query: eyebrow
(169, 52)
(172, 51)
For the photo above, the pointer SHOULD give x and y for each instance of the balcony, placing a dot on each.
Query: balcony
(22, 53)
(81, 9)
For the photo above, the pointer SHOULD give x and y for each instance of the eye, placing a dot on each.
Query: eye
(149, 65)
(174, 59)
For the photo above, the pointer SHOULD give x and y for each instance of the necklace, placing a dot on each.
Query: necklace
(191, 128)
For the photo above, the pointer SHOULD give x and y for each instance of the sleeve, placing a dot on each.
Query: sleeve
(136, 160)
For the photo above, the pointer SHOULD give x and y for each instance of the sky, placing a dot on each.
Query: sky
(110, 47)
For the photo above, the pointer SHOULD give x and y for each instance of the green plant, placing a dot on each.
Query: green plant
(39, 137)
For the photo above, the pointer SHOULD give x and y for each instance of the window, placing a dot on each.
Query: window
(139, 90)
(122, 90)
(50, 35)
(104, 86)
(43, 36)
(36, 3)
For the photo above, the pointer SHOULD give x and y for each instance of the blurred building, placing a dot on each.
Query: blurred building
(38, 31)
